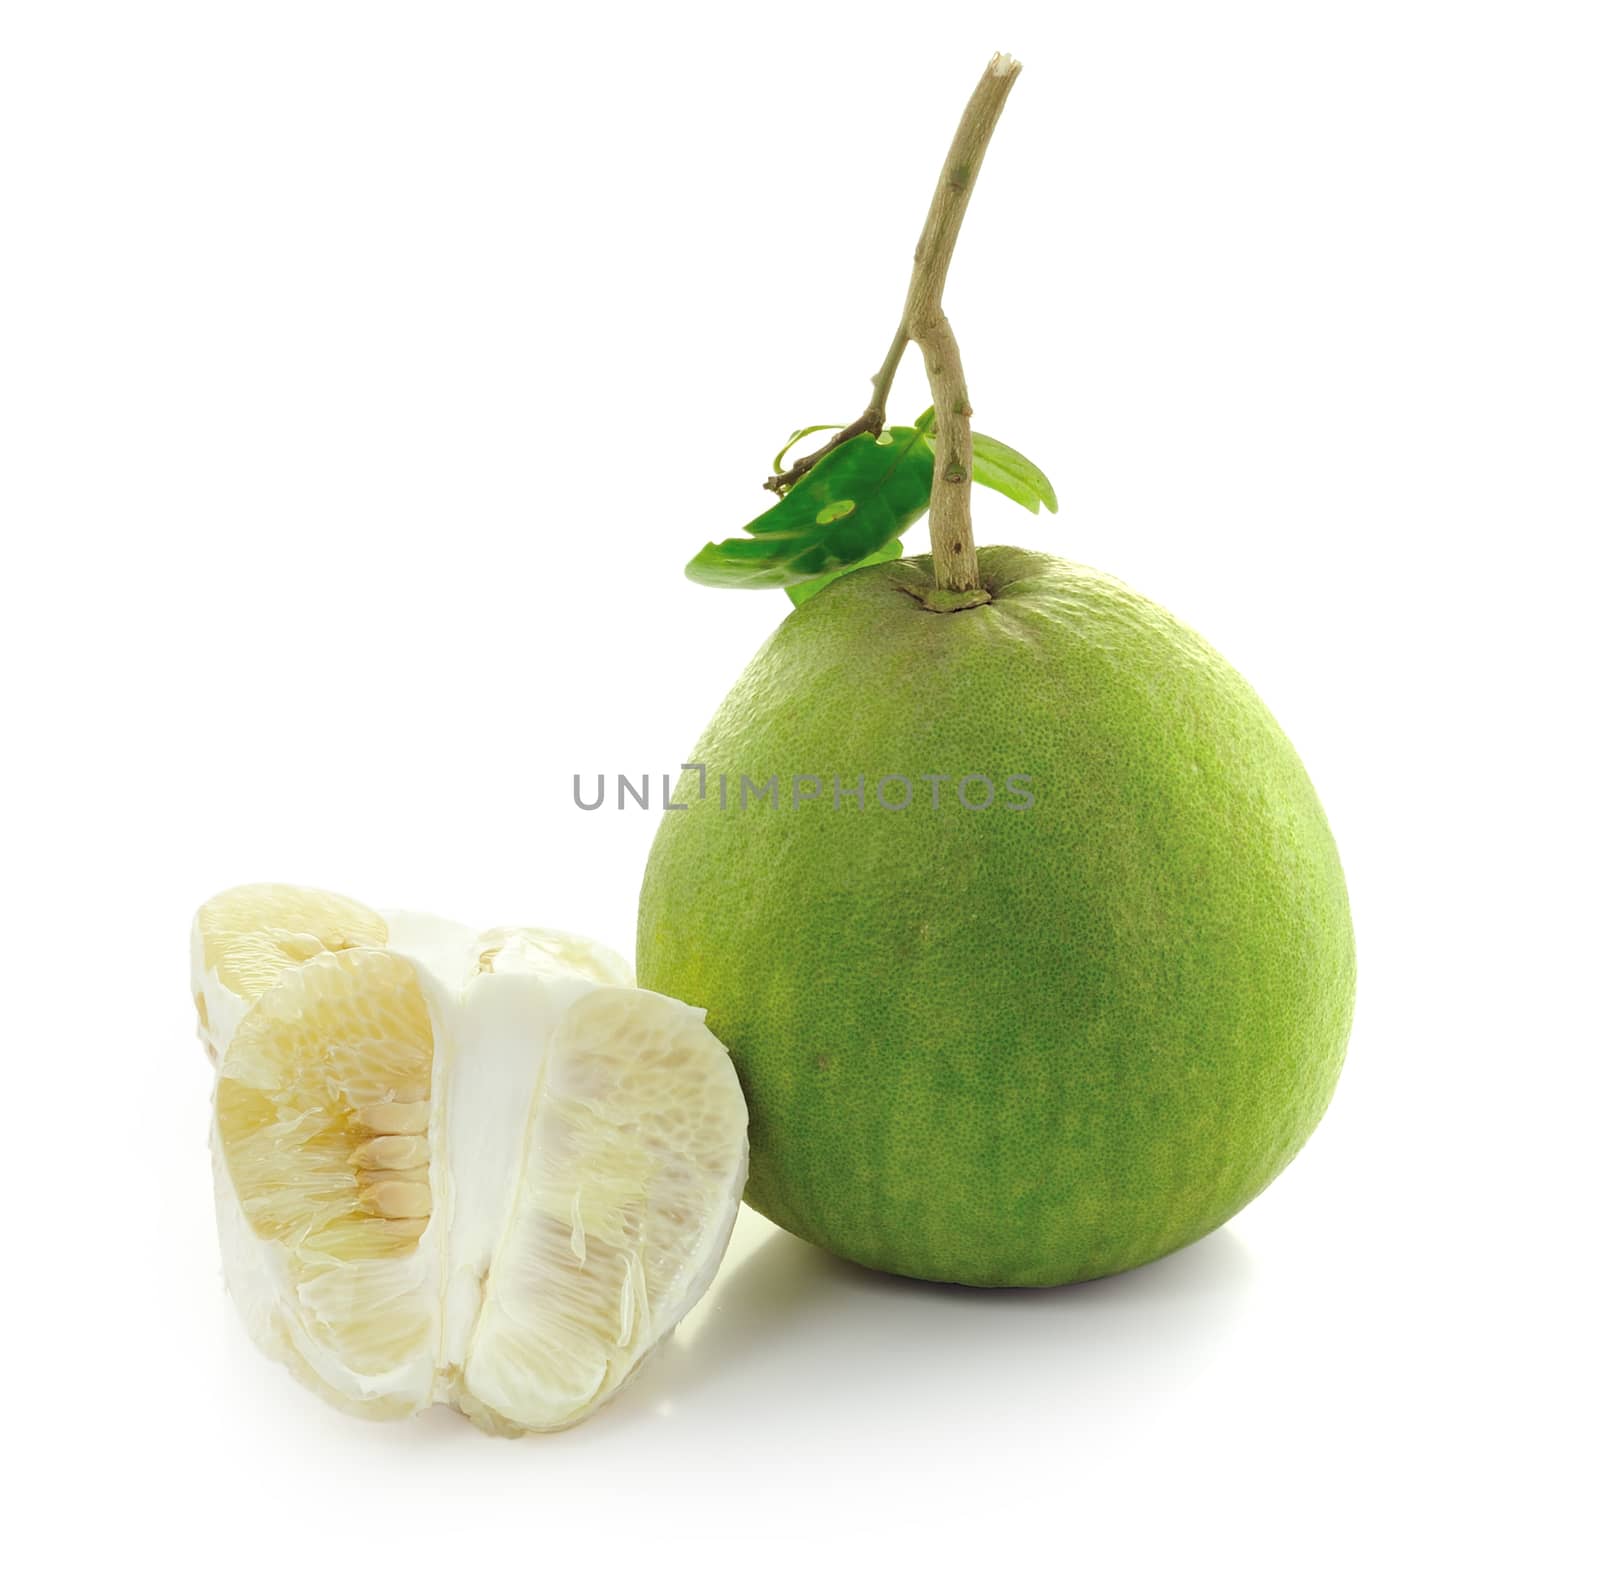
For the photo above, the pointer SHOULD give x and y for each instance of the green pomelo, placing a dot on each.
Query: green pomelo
(1006, 1045)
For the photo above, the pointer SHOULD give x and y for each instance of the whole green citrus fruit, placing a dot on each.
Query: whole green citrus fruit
(1028, 1036)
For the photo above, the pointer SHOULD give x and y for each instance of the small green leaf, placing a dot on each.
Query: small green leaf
(803, 592)
(850, 504)
(1004, 470)
(1008, 472)
(794, 437)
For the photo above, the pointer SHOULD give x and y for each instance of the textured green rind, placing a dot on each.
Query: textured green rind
(1007, 1047)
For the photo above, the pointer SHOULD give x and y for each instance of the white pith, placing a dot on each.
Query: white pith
(520, 1019)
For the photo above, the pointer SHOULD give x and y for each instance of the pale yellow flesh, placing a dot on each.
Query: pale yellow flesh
(328, 1071)
(246, 937)
(253, 932)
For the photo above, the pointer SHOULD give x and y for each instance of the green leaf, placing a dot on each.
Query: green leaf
(850, 504)
(801, 593)
(1006, 471)
(794, 437)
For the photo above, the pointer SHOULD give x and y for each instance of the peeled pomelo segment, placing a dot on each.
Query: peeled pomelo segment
(323, 1114)
(246, 937)
(633, 1168)
(380, 1108)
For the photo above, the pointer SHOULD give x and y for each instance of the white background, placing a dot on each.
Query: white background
(368, 374)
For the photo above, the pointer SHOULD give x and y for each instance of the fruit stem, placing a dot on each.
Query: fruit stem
(923, 322)
(955, 562)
